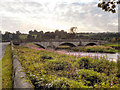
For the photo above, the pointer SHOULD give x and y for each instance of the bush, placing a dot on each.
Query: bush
(98, 48)
(118, 65)
(83, 62)
(107, 67)
(53, 81)
(103, 65)
(46, 57)
(67, 83)
(61, 82)
(56, 65)
(91, 78)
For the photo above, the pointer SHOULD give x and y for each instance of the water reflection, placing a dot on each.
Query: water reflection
(111, 57)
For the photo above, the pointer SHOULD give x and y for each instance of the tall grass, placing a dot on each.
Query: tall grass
(7, 68)
(0, 74)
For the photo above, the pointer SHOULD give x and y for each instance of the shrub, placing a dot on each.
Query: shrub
(91, 78)
(98, 48)
(107, 67)
(53, 81)
(103, 65)
(118, 65)
(56, 65)
(65, 83)
(83, 62)
(46, 57)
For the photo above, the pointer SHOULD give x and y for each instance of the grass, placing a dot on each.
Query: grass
(34, 45)
(114, 45)
(49, 69)
(0, 74)
(7, 68)
(24, 36)
(95, 48)
(63, 47)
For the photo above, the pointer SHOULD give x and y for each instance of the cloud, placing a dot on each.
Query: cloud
(56, 14)
(88, 17)
(11, 24)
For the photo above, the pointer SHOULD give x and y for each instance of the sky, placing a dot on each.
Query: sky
(51, 15)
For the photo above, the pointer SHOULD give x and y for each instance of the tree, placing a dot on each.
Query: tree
(6, 36)
(18, 33)
(35, 31)
(108, 5)
(30, 37)
(73, 29)
(113, 39)
(30, 32)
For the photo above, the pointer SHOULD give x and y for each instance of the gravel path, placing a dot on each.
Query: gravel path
(2, 48)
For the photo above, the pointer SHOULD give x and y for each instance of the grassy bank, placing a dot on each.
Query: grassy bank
(0, 74)
(7, 68)
(49, 69)
(114, 45)
(98, 48)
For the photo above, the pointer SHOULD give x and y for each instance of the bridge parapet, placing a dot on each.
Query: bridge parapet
(53, 43)
(60, 40)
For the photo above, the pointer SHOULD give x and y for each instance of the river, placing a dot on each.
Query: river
(109, 56)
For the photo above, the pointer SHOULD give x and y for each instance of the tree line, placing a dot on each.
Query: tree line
(35, 35)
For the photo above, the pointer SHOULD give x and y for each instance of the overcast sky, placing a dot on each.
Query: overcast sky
(49, 15)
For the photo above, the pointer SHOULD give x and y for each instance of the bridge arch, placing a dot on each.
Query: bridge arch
(52, 46)
(39, 45)
(90, 44)
(67, 44)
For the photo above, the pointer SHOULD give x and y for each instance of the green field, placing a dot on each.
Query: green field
(23, 36)
(113, 44)
(49, 69)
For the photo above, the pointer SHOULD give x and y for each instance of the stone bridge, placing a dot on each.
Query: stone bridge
(69, 42)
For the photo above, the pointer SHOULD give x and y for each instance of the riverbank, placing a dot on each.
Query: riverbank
(95, 48)
(113, 45)
(51, 69)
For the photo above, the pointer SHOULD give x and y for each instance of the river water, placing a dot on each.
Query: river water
(111, 57)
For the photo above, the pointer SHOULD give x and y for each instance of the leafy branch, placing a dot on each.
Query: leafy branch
(108, 5)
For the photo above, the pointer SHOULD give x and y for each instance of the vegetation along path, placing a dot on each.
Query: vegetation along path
(6, 68)
(2, 51)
